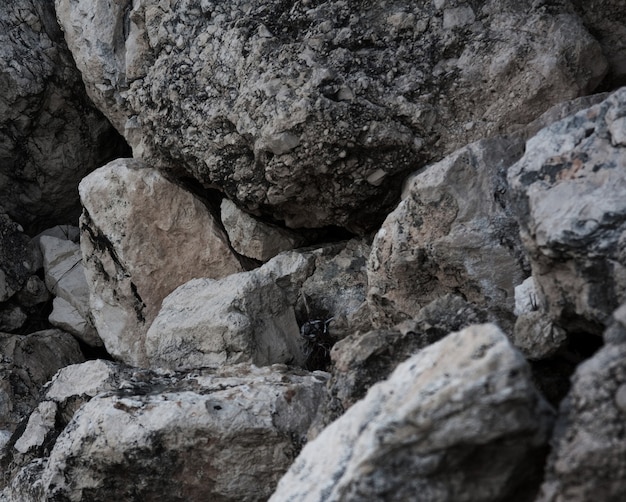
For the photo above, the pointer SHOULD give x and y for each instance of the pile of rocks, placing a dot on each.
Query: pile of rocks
(359, 252)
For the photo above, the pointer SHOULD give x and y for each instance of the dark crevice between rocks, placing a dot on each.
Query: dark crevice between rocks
(552, 375)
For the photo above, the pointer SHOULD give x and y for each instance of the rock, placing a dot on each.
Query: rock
(256, 316)
(12, 317)
(28, 362)
(536, 336)
(51, 135)
(568, 193)
(34, 292)
(527, 298)
(337, 289)
(63, 232)
(247, 317)
(362, 359)
(68, 318)
(254, 238)
(65, 278)
(15, 260)
(453, 215)
(314, 114)
(137, 252)
(460, 420)
(226, 435)
(588, 459)
(606, 20)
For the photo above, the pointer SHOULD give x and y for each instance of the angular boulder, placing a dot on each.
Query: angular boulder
(142, 236)
(453, 232)
(252, 237)
(28, 362)
(51, 134)
(226, 435)
(461, 420)
(588, 459)
(65, 278)
(568, 191)
(313, 114)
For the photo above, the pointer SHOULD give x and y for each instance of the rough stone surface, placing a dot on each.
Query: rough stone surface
(253, 238)
(226, 435)
(536, 336)
(363, 359)
(34, 292)
(569, 195)
(143, 236)
(256, 316)
(312, 113)
(51, 135)
(588, 459)
(453, 232)
(12, 317)
(15, 259)
(459, 421)
(28, 362)
(246, 317)
(606, 20)
(65, 278)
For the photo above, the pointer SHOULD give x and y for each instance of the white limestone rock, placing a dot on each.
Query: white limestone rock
(460, 420)
(142, 236)
(226, 435)
(246, 317)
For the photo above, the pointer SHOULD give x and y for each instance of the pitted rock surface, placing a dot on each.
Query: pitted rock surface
(312, 112)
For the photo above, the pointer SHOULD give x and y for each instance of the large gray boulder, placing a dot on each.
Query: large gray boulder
(138, 435)
(569, 195)
(256, 316)
(453, 232)
(459, 421)
(314, 113)
(142, 236)
(51, 135)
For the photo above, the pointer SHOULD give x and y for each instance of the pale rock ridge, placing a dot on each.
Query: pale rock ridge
(208, 428)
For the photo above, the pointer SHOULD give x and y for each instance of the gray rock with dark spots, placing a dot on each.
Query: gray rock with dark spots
(314, 113)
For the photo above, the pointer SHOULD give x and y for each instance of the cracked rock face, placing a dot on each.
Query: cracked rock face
(569, 195)
(141, 435)
(459, 421)
(51, 135)
(312, 112)
(142, 236)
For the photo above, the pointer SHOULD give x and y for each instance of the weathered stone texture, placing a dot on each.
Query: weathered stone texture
(141, 237)
(459, 421)
(569, 194)
(226, 435)
(312, 113)
(51, 135)
(453, 232)
(588, 460)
